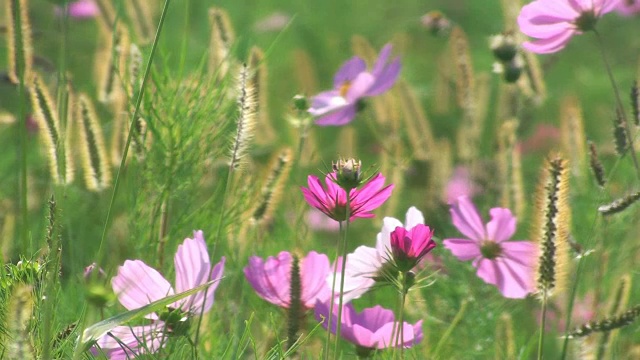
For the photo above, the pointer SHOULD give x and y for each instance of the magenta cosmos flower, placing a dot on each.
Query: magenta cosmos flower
(332, 200)
(138, 284)
(509, 265)
(372, 328)
(628, 7)
(81, 9)
(554, 22)
(409, 247)
(271, 279)
(352, 83)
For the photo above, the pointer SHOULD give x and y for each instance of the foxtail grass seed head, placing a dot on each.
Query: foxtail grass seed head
(552, 223)
(305, 72)
(535, 85)
(510, 168)
(140, 14)
(572, 134)
(107, 17)
(505, 344)
(607, 324)
(95, 163)
(620, 133)
(19, 313)
(222, 38)
(620, 204)
(465, 77)
(259, 78)
(272, 188)
(416, 121)
(596, 165)
(110, 67)
(436, 23)
(246, 118)
(294, 312)
(19, 47)
(362, 48)
(46, 116)
(348, 141)
(134, 71)
(635, 103)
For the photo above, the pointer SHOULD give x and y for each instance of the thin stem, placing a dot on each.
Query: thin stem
(403, 299)
(543, 317)
(332, 301)
(618, 102)
(132, 126)
(343, 270)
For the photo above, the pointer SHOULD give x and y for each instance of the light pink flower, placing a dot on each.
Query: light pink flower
(460, 184)
(352, 83)
(138, 284)
(509, 265)
(271, 279)
(372, 328)
(276, 21)
(332, 200)
(409, 247)
(366, 264)
(554, 22)
(128, 342)
(81, 9)
(628, 7)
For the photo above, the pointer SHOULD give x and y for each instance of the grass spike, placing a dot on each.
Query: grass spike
(259, 78)
(552, 223)
(607, 324)
(620, 134)
(246, 118)
(95, 163)
(620, 204)
(305, 71)
(417, 123)
(294, 312)
(141, 16)
(272, 188)
(510, 168)
(596, 165)
(222, 38)
(635, 103)
(572, 134)
(19, 47)
(109, 73)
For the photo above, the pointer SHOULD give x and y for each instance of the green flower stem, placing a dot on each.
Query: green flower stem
(543, 318)
(618, 102)
(331, 301)
(403, 299)
(342, 272)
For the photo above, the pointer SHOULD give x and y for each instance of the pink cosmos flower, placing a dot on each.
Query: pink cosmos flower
(509, 265)
(409, 247)
(460, 184)
(554, 22)
(628, 7)
(352, 83)
(81, 9)
(271, 279)
(138, 284)
(367, 264)
(332, 200)
(319, 222)
(372, 328)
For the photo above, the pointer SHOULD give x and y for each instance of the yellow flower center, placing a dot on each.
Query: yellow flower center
(344, 88)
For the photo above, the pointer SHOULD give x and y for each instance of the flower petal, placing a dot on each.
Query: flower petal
(192, 267)
(502, 225)
(349, 71)
(466, 219)
(463, 249)
(549, 45)
(314, 269)
(385, 80)
(271, 279)
(413, 218)
(339, 117)
(137, 285)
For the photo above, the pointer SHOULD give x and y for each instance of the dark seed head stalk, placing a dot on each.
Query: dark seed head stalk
(596, 165)
(294, 314)
(607, 324)
(620, 204)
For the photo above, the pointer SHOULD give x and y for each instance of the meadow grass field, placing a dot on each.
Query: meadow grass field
(437, 179)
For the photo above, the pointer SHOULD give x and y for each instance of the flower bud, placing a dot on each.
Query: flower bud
(436, 22)
(348, 173)
(300, 102)
(504, 47)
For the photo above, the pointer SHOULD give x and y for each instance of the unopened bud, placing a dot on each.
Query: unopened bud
(300, 103)
(504, 47)
(436, 22)
(348, 173)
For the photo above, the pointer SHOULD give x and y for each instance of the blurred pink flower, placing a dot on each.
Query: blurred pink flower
(320, 222)
(81, 9)
(409, 247)
(628, 7)
(544, 137)
(583, 312)
(333, 200)
(351, 83)
(274, 22)
(460, 184)
(372, 328)
(553, 22)
(271, 279)
(137, 285)
(509, 265)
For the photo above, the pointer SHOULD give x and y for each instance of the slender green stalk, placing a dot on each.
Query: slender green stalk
(132, 127)
(449, 331)
(543, 318)
(342, 272)
(403, 299)
(618, 102)
(332, 301)
(22, 124)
